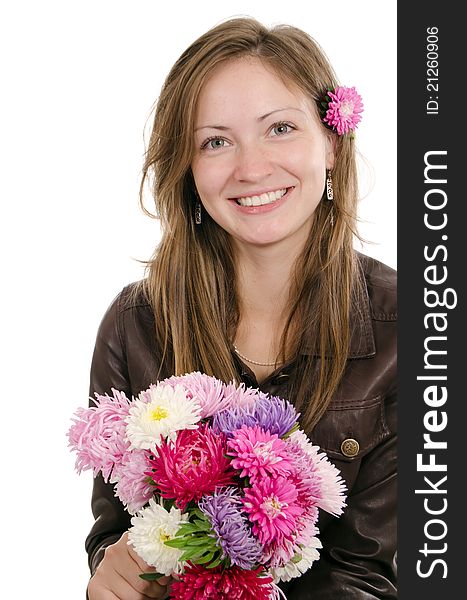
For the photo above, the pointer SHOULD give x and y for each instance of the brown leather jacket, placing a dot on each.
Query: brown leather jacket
(358, 432)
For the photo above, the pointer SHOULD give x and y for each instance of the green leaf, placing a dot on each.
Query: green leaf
(176, 543)
(169, 503)
(191, 553)
(295, 427)
(296, 558)
(202, 525)
(186, 528)
(217, 561)
(198, 513)
(205, 559)
(151, 576)
(198, 541)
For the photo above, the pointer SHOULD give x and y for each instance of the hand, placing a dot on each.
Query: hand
(117, 576)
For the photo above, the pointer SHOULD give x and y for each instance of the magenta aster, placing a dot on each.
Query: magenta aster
(272, 507)
(192, 465)
(343, 109)
(258, 453)
(219, 583)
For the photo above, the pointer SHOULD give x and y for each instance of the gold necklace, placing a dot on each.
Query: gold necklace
(253, 362)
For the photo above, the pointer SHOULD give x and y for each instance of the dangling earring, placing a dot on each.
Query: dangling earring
(198, 218)
(330, 197)
(329, 190)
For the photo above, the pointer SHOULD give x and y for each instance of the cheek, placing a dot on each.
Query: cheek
(308, 160)
(209, 177)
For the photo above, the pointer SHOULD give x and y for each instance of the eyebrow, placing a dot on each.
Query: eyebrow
(224, 128)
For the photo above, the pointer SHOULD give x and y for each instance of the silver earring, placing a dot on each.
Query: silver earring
(329, 190)
(198, 213)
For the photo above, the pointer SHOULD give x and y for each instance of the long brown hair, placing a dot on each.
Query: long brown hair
(191, 277)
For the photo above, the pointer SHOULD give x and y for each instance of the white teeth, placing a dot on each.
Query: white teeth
(265, 198)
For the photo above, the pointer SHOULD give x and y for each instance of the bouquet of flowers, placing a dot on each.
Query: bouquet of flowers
(223, 486)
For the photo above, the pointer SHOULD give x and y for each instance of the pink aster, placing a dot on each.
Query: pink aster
(219, 583)
(132, 486)
(344, 109)
(319, 481)
(278, 554)
(192, 465)
(98, 434)
(271, 504)
(207, 391)
(258, 453)
(241, 396)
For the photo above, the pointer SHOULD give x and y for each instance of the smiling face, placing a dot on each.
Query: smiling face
(261, 155)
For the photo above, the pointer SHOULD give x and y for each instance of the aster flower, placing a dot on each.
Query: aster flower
(207, 391)
(244, 484)
(241, 396)
(303, 558)
(98, 434)
(132, 487)
(160, 412)
(271, 504)
(281, 552)
(192, 465)
(149, 531)
(344, 108)
(258, 453)
(319, 479)
(231, 528)
(200, 583)
(271, 413)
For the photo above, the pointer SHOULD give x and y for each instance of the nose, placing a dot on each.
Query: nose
(252, 163)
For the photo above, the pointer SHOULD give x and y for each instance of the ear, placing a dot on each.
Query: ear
(330, 149)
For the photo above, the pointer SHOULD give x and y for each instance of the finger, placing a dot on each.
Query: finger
(149, 589)
(118, 588)
(100, 592)
(145, 568)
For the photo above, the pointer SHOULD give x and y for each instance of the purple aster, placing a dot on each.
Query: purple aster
(272, 414)
(231, 527)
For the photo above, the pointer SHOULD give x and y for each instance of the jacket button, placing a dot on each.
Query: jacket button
(350, 447)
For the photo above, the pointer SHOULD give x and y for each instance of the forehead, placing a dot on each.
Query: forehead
(247, 84)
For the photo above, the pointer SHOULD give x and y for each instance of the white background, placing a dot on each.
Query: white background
(78, 81)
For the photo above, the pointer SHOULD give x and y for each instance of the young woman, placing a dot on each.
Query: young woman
(256, 279)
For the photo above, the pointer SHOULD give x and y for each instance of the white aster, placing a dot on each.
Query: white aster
(305, 557)
(151, 527)
(160, 411)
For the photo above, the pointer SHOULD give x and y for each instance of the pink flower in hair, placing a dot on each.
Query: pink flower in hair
(344, 109)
